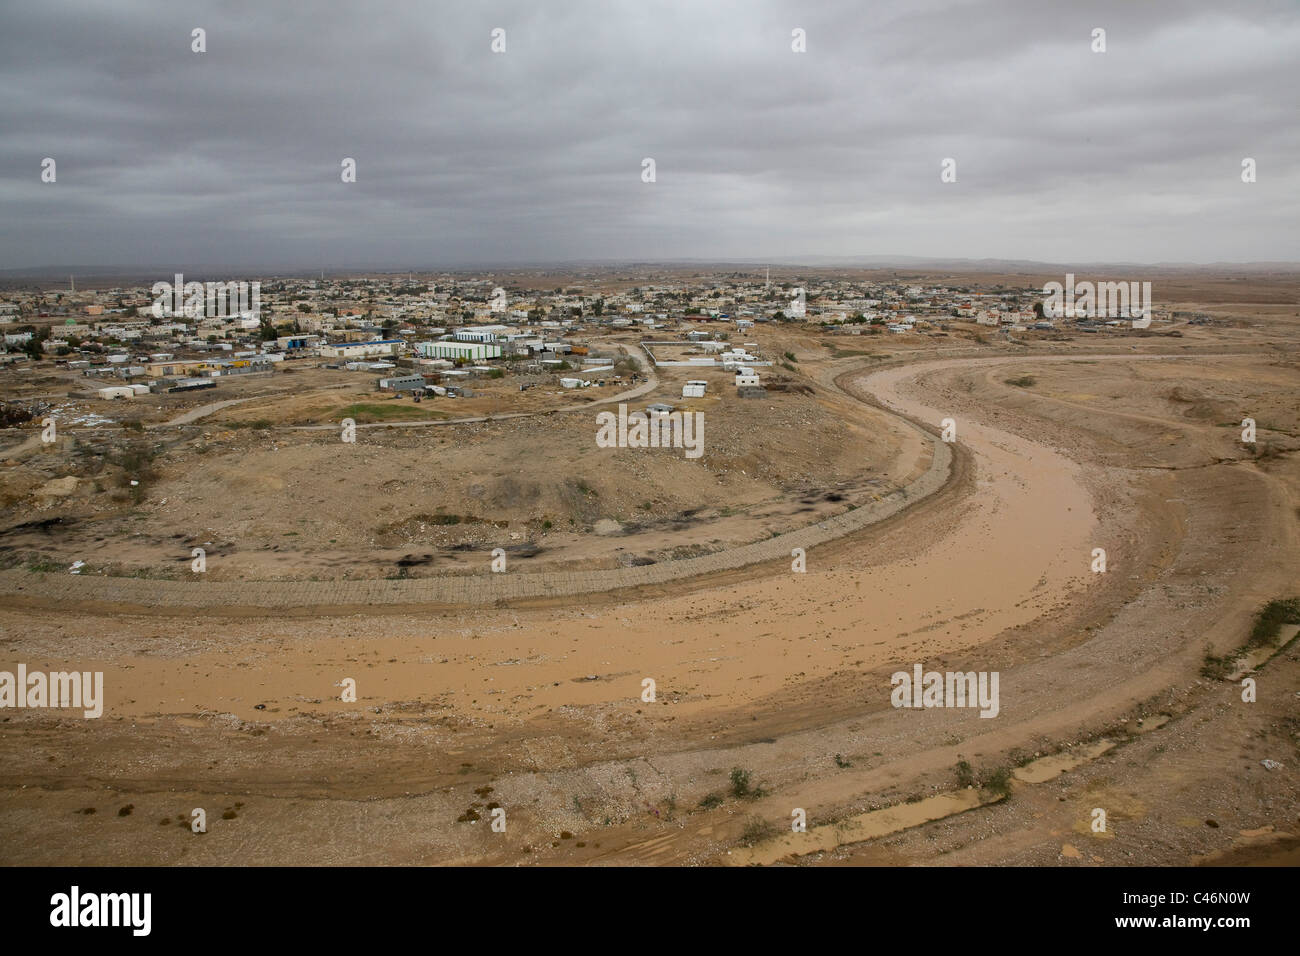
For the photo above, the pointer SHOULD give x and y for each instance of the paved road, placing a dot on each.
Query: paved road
(202, 411)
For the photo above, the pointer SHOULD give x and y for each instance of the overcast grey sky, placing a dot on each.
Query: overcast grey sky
(464, 156)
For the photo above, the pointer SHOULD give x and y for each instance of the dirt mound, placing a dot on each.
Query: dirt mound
(1199, 406)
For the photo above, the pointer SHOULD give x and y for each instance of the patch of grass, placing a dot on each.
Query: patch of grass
(1024, 381)
(756, 830)
(711, 801)
(742, 788)
(1263, 633)
(366, 412)
(137, 463)
(842, 763)
(1270, 619)
(1217, 668)
(1266, 450)
(740, 783)
(965, 775)
(999, 782)
(143, 573)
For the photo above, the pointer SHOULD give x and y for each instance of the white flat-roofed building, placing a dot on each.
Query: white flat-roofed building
(356, 350)
(694, 389)
(480, 333)
(467, 351)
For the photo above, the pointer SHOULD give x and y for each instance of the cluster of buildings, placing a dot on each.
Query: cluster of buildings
(453, 321)
(897, 308)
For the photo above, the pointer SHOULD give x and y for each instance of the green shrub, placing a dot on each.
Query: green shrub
(1270, 619)
(1263, 633)
(741, 788)
(12, 416)
(965, 775)
(757, 830)
(999, 782)
(1217, 668)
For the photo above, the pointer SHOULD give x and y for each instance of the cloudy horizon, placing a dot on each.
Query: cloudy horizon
(535, 154)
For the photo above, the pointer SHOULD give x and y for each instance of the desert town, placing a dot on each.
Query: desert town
(366, 581)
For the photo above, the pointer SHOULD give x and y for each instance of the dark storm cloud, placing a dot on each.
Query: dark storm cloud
(233, 156)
